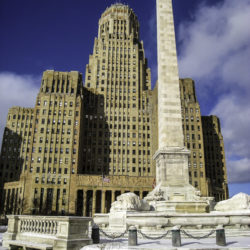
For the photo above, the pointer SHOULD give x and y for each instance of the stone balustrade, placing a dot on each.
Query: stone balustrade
(56, 231)
(42, 225)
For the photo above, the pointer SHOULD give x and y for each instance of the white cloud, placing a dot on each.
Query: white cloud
(215, 51)
(16, 90)
(235, 120)
(216, 35)
(243, 170)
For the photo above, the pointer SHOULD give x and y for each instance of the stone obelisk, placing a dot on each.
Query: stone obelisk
(171, 157)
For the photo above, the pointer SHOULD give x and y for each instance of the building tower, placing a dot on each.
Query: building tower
(118, 74)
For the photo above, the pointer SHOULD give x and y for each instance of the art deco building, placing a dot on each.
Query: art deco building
(119, 75)
(81, 147)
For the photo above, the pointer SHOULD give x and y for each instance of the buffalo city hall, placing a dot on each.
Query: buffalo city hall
(82, 146)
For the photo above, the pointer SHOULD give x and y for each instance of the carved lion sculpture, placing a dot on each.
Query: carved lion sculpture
(129, 202)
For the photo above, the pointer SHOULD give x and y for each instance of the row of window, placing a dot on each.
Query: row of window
(22, 125)
(192, 118)
(19, 117)
(193, 145)
(192, 127)
(195, 165)
(47, 121)
(56, 140)
(118, 151)
(195, 174)
(55, 112)
(49, 160)
(193, 137)
(50, 170)
(191, 110)
(53, 150)
(51, 180)
(57, 131)
(117, 118)
(51, 103)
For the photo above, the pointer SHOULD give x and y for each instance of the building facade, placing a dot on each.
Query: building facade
(81, 147)
(193, 135)
(215, 163)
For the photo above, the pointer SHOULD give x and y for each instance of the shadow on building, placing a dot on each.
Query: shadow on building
(215, 158)
(95, 148)
(11, 167)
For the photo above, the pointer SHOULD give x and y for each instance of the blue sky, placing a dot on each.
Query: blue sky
(213, 43)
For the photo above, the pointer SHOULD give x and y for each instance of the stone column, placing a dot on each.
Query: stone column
(94, 202)
(112, 196)
(141, 194)
(84, 202)
(7, 201)
(103, 200)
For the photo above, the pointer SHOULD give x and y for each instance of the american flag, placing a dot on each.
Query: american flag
(105, 179)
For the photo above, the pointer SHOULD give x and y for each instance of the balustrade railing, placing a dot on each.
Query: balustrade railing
(57, 232)
(41, 226)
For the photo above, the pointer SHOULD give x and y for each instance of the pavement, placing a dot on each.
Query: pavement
(233, 243)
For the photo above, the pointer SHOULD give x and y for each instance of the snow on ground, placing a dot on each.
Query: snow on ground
(1, 236)
(232, 243)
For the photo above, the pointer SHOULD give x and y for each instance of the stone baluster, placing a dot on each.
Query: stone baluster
(49, 227)
(28, 226)
(56, 227)
(33, 226)
(43, 227)
(24, 225)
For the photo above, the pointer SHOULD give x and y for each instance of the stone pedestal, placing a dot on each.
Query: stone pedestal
(117, 220)
(173, 192)
(172, 171)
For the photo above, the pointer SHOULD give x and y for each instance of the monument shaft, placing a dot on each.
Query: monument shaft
(172, 176)
(169, 102)
(171, 157)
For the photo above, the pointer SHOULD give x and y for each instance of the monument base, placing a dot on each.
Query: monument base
(173, 193)
(182, 207)
(186, 215)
